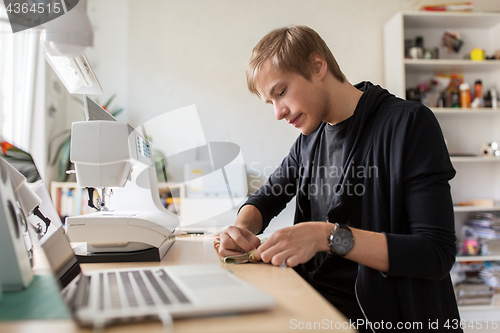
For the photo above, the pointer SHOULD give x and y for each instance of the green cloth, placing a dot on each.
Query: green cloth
(42, 300)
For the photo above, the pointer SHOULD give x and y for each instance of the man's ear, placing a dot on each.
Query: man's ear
(319, 66)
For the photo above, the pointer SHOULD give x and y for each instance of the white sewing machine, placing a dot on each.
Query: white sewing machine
(116, 159)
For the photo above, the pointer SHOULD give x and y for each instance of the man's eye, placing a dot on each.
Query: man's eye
(283, 92)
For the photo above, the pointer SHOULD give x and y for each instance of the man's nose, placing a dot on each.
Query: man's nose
(280, 111)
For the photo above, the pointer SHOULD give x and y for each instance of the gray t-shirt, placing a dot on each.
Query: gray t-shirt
(327, 169)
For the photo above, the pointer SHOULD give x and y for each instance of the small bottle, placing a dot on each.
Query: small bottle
(442, 100)
(465, 95)
(493, 99)
(478, 89)
(478, 95)
(417, 52)
(454, 96)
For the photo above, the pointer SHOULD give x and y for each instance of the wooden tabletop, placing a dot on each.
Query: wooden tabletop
(298, 305)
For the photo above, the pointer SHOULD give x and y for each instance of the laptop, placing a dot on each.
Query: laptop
(113, 296)
(105, 297)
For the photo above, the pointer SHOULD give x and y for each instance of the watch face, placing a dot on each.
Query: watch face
(342, 241)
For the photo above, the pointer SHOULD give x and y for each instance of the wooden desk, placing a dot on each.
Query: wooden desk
(297, 303)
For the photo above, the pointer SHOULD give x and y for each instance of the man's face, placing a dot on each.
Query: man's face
(302, 103)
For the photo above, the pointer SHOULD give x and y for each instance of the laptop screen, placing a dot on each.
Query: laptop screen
(57, 248)
(60, 256)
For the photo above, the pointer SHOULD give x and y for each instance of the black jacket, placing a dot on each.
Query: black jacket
(397, 167)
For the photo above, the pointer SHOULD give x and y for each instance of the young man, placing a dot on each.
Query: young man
(374, 225)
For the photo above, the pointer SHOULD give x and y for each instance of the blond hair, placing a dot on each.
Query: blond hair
(289, 49)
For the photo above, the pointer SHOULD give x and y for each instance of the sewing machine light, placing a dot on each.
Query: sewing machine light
(75, 73)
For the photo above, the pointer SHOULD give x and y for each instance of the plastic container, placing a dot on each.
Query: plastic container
(465, 95)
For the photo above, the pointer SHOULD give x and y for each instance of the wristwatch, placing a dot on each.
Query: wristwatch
(340, 240)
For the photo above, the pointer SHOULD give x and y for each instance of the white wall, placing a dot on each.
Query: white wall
(162, 55)
(109, 57)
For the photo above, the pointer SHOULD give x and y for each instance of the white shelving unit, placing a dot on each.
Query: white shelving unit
(476, 29)
(465, 130)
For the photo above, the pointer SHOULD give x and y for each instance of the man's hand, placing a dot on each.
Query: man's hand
(294, 245)
(235, 240)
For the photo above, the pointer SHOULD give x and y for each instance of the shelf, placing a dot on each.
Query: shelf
(448, 20)
(479, 308)
(460, 111)
(448, 65)
(465, 209)
(478, 258)
(473, 159)
(464, 129)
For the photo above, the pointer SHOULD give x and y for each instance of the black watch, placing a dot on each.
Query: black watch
(341, 240)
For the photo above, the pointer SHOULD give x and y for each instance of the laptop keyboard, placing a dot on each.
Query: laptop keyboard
(142, 288)
(129, 292)
(173, 287)
(114, 291)
(131, 288)
(164, 298)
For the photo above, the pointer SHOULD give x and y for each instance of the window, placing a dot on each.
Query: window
(18, 54)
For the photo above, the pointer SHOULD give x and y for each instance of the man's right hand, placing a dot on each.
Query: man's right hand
(236, 240)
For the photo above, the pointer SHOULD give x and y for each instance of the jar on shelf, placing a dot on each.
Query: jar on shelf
(464, 95)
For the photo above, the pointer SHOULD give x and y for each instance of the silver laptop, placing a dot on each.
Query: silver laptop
(136, 294)
(104, 297)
